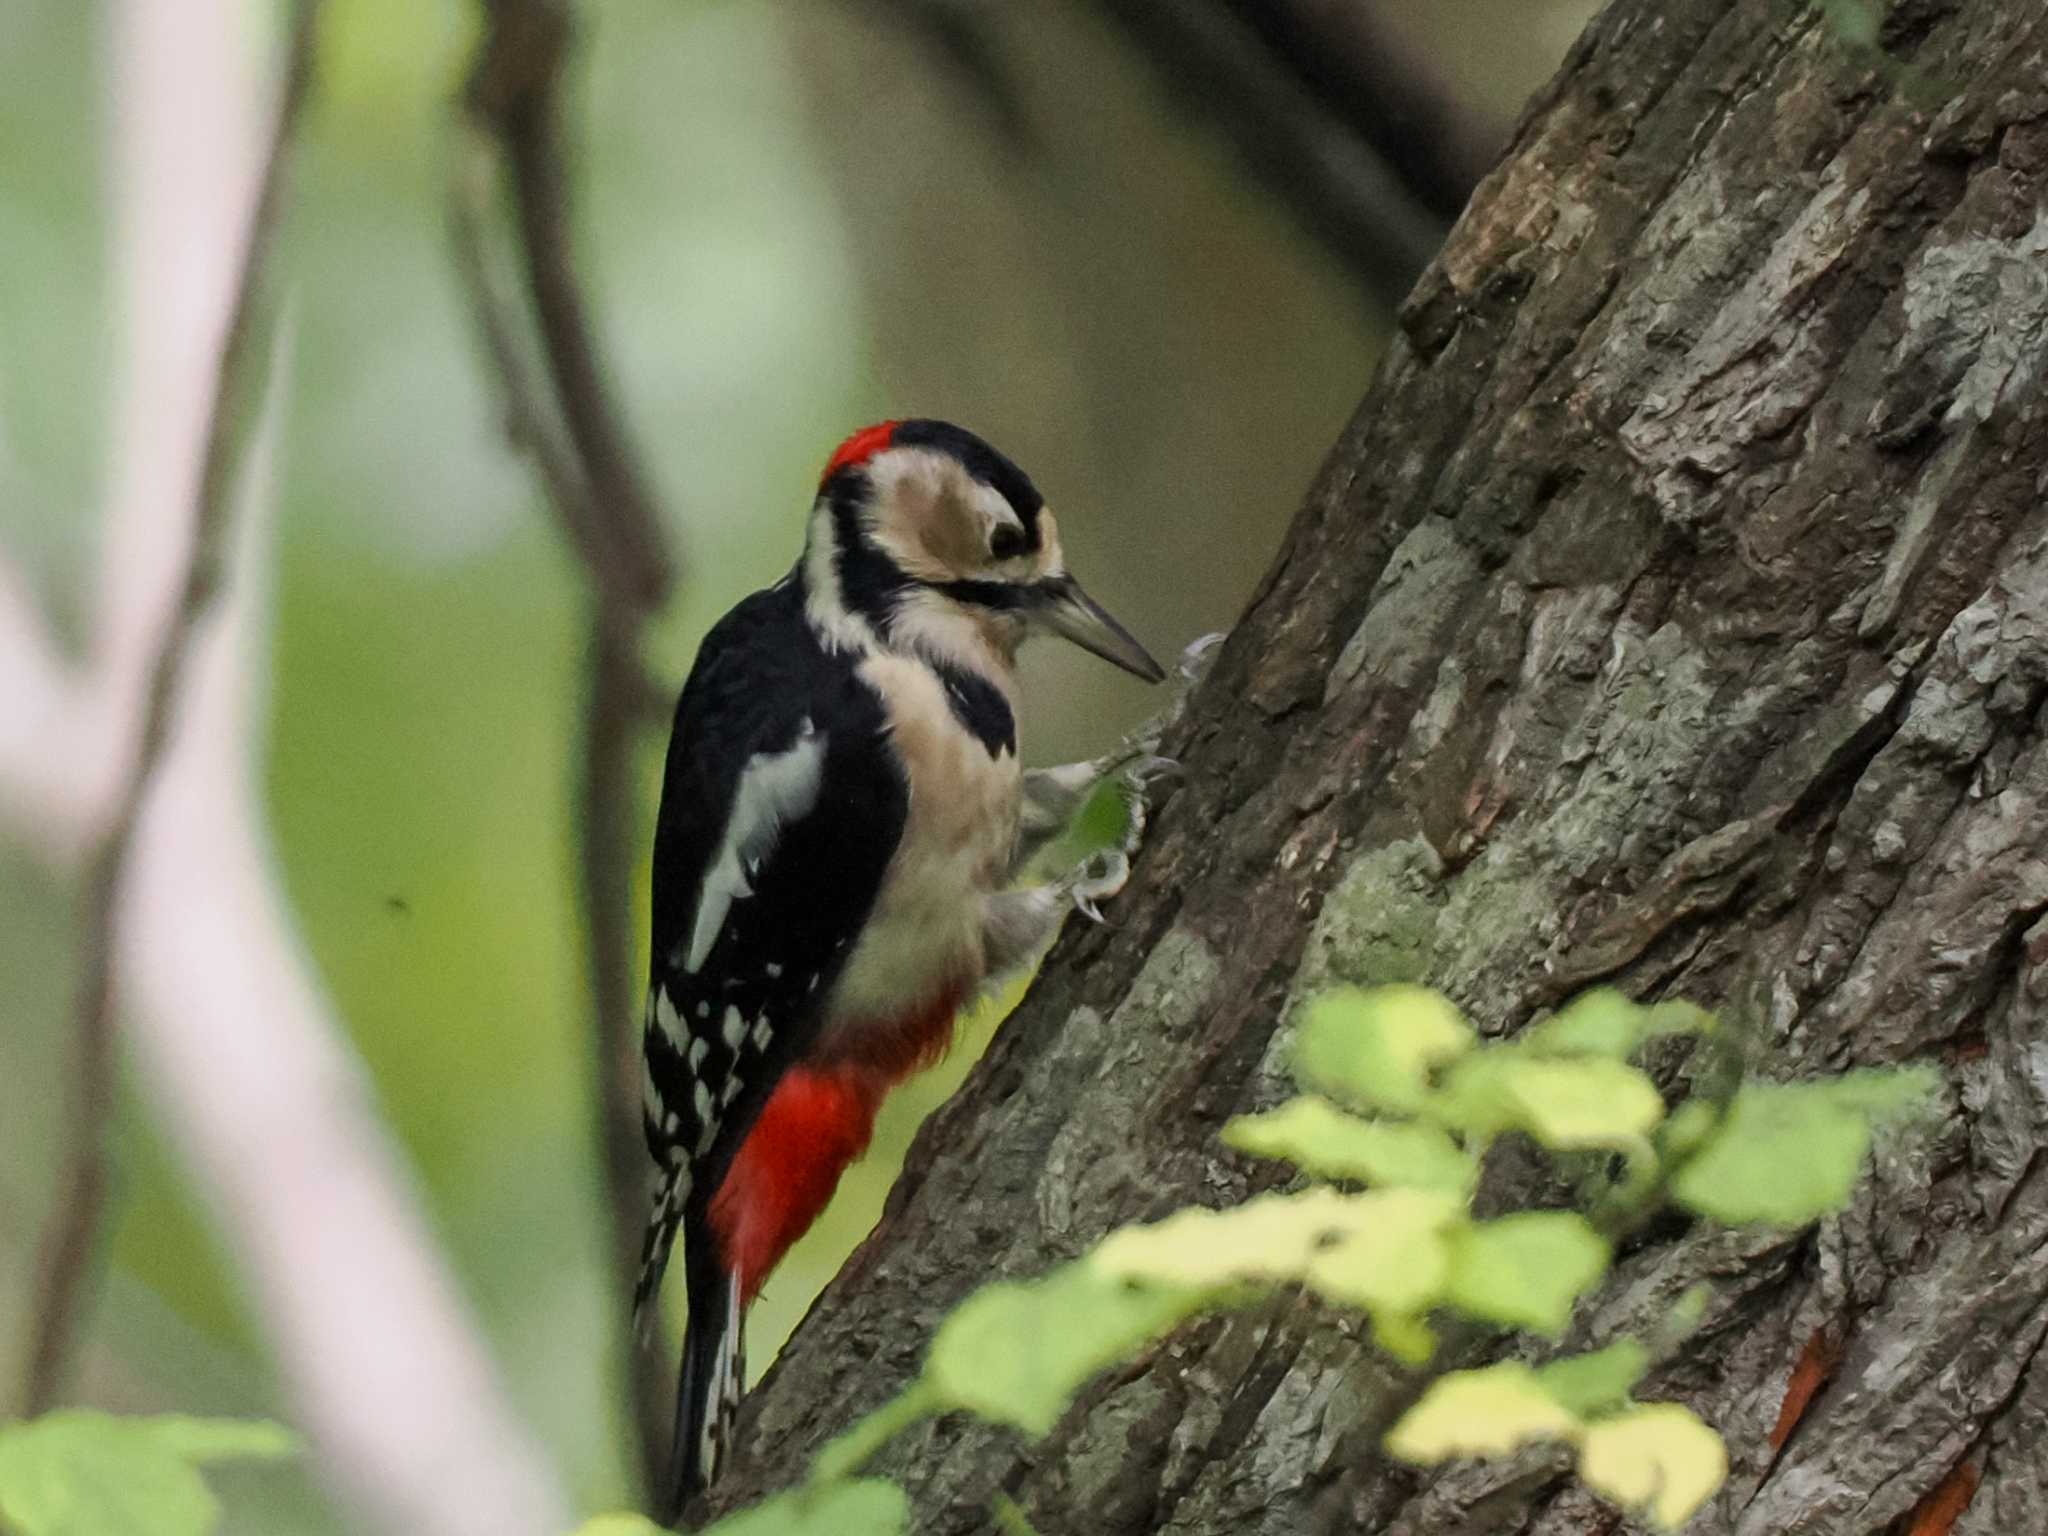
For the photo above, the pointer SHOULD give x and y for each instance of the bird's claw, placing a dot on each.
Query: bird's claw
(1101, 876)
(1140, 772)
(1195, 659)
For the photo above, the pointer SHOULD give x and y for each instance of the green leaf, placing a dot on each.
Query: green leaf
(1010, 1516)
(1789, 1153)
(866, 1506)
(1394, 1257)
(1564, 1103)
(1686, 1312)
(84, 1473)
(1104, 819)
(208, 1440)
(1526, 1270)
(1605, 1022)
(1489, 1412)
(621, 1525)
(1317, 1136)
(1378, 1047)
(1785, 1154)
(1658, 1460)
(848, 1451)
(1882, 1093)
(1017, 1352)
(1689, 1125)
(1592, 1383)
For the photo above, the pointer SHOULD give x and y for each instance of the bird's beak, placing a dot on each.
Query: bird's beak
(1062, 607)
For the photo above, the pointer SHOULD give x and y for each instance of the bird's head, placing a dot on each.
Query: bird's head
(926, 537)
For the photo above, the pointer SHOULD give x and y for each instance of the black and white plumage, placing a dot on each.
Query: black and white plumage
(841, 818)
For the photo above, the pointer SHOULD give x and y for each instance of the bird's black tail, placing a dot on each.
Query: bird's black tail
(714, 1374)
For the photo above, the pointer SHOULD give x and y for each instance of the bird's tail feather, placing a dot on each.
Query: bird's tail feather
(713, 1377)
(662, 1224)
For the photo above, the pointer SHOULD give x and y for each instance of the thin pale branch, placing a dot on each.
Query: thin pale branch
(247, 1071)
(74, 1224)
(567, 420)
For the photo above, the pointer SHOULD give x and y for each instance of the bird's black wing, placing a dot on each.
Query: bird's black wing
(781, 808)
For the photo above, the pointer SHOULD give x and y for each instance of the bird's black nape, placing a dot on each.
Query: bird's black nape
(983, 462)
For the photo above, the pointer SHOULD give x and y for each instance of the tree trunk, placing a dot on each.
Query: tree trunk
(1673, 613)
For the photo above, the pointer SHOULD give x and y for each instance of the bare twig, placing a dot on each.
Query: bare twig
(68, 1244)
(512, 92)
(529, 416)
(601, 498)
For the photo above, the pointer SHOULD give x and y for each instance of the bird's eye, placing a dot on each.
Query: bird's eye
(1007, 540)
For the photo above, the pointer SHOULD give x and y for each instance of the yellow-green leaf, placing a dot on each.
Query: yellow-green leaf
(1017, 1352)
(1378, 1047)
(1527, 1269)
(1488, 1412)
(1393, 1257)
(1405, 1336)
(867, 1506)
(1564, 1103)
(621, 1525)
(1605, 1022)
(1658, 1460)
(1593, 1383)
(1318, 1137)
(1270, 1237)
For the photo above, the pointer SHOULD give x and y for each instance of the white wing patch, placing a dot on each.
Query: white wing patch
(666, 1020)
(775, 789)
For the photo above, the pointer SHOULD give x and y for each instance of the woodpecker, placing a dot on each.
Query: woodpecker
(843, 822)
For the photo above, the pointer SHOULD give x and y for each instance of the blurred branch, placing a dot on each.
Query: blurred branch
(962, 41)
(1353, 130)
(1384, 90)
(568, 421)
(186, 929)
(1326, 110)
(68, 1243)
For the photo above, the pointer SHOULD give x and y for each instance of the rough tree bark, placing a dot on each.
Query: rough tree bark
(1673, 613)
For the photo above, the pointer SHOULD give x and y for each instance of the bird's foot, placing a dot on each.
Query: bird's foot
(1097, 878)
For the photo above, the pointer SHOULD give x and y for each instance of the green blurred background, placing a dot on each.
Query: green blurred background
(793, 222)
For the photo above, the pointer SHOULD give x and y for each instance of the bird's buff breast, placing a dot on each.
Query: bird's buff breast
(923, 940)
